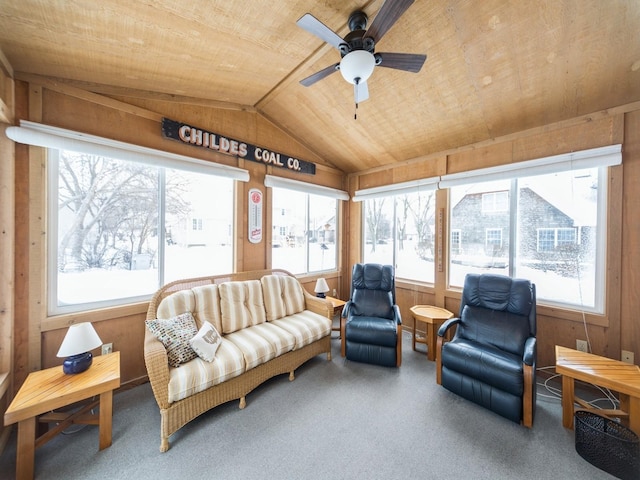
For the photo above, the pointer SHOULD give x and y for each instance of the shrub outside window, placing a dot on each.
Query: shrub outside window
(120, 229)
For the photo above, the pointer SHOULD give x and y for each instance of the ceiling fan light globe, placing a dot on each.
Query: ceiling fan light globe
(357, 65)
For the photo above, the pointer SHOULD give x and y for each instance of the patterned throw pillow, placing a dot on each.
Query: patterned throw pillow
(206, 342)
(175, 333)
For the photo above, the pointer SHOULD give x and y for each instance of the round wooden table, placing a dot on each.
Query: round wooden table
(433, 317)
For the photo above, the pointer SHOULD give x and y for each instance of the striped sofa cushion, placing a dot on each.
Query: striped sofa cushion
(198, 375)
(306, 327)
(261, 343)
(175, 304)
(207, 307)
(241, 305)
(283, 296)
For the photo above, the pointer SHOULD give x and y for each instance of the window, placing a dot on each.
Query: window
(456, 239)
(305, 233)
(553, 234)
(399, 230)
(120, 228)
(495, 202)
(552, 238)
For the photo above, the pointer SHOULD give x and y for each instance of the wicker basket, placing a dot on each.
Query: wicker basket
(607, 445)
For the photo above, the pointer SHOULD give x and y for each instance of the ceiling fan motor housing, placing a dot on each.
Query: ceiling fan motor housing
(355, 39)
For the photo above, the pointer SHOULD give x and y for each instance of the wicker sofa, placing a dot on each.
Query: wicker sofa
(269, 326)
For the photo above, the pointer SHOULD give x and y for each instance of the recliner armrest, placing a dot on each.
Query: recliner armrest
(447, 325)
(530, 347)
(345, 309)
(396, 315)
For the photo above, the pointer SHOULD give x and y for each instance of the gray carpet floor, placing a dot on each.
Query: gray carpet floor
(336, 420)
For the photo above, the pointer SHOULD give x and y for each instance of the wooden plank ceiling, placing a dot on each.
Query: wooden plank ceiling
(494, 67)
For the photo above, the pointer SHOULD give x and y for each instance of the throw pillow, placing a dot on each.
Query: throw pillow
(175, 333)
(206, 342)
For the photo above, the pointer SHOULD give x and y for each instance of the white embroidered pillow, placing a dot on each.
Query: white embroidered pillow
(206, 342)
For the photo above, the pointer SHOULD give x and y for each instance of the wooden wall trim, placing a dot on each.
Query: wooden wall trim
(496, 142)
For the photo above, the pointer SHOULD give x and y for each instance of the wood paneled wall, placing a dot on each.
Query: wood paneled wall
(36, 336)
(7, 242)
(609, 333)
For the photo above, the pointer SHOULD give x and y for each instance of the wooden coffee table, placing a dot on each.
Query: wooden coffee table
(46, 390)
(618, 376)
(433, 317)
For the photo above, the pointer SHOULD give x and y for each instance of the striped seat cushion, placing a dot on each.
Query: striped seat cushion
(207, 306)
(283, 295)
(241, 305)
(261, 343)
(175, 304)
(197, 375)
(306, 327)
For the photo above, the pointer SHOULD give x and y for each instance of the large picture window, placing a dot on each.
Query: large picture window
(304, 231)
(399, 230)
(120, 229)
(553, 234)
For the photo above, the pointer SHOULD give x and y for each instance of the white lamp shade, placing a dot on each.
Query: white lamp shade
(321, 286)
(357, 64)
(80, 338)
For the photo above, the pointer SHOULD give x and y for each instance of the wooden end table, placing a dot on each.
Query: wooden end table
(618, 376)
(433, 317)
(338, 305)
(46, 390)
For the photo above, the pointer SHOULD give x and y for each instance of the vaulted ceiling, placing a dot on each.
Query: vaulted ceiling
(494, 67)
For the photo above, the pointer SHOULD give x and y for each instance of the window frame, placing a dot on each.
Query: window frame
(52, 290)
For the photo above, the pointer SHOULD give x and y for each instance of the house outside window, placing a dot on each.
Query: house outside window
(304, 238)
(120, 229)
(399, 230)
(553, 234)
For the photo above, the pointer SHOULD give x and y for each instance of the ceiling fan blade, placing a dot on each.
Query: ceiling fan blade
(312, 25)
(410, 62)
(325, 72)
(360, 91)
(389, 14)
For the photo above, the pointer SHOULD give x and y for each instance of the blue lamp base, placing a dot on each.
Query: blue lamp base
(320, 295)
(77, 363)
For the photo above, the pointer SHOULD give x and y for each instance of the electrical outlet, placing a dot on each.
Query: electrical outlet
(627, 357)
(334, 293)
(107, 348)
(582, 346)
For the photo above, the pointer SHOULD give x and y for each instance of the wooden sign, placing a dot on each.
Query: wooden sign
(213, 141)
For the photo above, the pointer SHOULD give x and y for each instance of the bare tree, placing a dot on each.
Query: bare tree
(374, 220)
(104, 203)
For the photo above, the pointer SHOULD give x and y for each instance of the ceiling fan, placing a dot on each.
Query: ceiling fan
(357, 48)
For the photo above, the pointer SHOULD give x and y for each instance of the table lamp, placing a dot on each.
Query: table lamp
(321, 288)
(76, 346)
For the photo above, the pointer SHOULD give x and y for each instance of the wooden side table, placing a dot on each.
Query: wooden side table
(433, 317)
(618, 376)
(47, 390)
(338, 305)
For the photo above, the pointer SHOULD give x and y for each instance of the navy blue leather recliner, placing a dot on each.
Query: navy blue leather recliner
(491, 359)
(371, 326)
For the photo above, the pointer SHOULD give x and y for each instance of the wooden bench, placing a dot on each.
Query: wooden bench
(615, 375)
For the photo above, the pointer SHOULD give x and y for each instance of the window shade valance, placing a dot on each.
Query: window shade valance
(280, 182)
(593, 158)
(36, 134)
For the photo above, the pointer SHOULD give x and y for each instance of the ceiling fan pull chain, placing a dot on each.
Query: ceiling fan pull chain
(355, 113)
